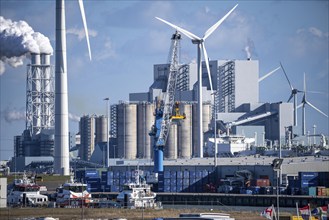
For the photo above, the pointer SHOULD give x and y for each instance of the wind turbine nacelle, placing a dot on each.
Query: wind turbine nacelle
(196, 41)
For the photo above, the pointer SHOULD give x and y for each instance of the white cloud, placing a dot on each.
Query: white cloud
(74, 117)
(108, 51)
(80, 33)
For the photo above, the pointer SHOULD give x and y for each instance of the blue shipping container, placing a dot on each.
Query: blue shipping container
(166, 174)
(91, 173)
(173, 174)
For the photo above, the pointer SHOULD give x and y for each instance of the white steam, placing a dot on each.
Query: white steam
(11, 115)
(250, 49)
(17, 39)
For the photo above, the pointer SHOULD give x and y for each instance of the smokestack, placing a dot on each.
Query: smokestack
(61, 159)
(36, 93)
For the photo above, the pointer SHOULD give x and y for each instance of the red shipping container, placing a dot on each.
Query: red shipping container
(261, 182)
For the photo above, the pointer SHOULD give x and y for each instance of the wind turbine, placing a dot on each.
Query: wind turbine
(304, 102)
(61, 155)
(293, 94)
(200, 45)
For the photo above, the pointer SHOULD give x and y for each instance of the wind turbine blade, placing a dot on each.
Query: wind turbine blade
(82, 10)
(215, 26)
(286, 76)
(185, 32)
(292, 95)
(207, 65)
(318, 92)
(300, 105)
(307, 102)
(268, 74)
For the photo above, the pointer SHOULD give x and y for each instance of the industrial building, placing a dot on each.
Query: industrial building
(237, 107)
(38, 137)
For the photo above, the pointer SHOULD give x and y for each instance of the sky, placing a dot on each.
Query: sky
(126, 41)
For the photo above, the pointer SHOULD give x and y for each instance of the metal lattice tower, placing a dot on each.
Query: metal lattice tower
(169, 96)
(226, 92)
(40, 94)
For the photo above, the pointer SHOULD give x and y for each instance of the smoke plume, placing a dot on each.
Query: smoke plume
(17, 39)
(11, 115)
(250, 49)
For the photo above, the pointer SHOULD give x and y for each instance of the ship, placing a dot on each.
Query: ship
(138, 194)
(73, 194)
(25, 192)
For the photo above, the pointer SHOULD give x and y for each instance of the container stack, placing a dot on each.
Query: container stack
(185, 181)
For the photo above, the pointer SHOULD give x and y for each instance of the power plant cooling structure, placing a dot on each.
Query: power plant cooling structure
(39, 94)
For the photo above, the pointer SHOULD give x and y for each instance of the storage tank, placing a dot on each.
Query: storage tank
(145, 120)
(127, 130)
(206, 115)
(185, 132)
(101, 129)
(170, 151)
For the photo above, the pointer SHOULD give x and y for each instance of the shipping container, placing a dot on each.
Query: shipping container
(321, 191)
(122, 174)
(167, 188)
(260, 182)
(312, 191)
(307, 175)
(179, 174)
(167, 181)
(166, 174)
(116, 174)
(91, 174)
(173, 174)
(192, 174)
(186, 182)
(186, 174)
(205, 173)
(93, 180)
(198, 174)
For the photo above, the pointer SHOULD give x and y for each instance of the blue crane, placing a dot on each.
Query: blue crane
(164, 108)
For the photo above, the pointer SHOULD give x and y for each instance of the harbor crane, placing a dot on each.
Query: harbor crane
(164, 108)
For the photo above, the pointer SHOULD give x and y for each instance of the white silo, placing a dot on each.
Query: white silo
(145, 120)
(185, 132)
(206, 116)
(127, 130)
(170, 151)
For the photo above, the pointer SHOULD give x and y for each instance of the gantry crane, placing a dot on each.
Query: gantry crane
(164, 107)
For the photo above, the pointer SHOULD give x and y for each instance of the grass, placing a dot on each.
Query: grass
(107, 213)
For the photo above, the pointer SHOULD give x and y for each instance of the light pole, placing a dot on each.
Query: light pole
(107, 132)
(277, 168)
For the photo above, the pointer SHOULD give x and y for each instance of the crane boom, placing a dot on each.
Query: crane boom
(169, 96)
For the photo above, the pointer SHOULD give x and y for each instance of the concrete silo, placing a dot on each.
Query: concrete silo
(170, 151)
(101, 129)
(127, 130)
(185, 133)
(206, 116)
(145, 120)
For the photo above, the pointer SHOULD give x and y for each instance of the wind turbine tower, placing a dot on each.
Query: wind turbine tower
(61, 158)
(200, 46)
